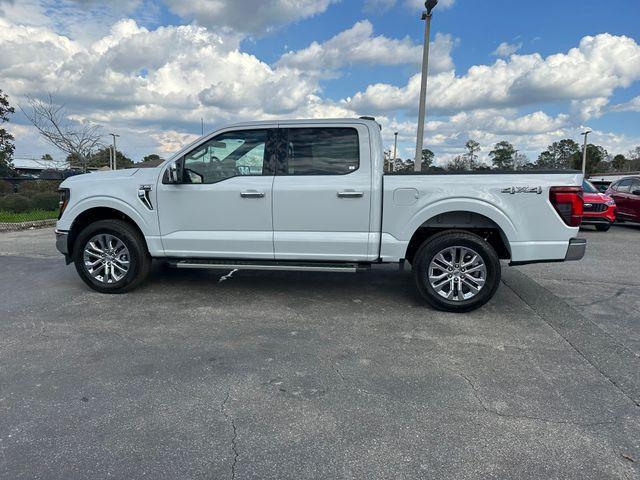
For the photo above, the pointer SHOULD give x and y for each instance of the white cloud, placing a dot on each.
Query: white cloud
(358, 45)
(247, 16)
(154, 80)
(506, 49)
(81, 20)
(153, 85)
(171, 141)
(632, 105)
(594, 70)
(589, 108)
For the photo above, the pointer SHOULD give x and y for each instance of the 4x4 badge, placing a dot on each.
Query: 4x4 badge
(514, 190)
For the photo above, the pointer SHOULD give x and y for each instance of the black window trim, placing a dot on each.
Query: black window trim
(283, 164)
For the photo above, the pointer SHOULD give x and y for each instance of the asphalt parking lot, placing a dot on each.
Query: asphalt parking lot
(298, 375)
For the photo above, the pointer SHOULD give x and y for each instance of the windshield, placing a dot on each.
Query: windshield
(589, 188)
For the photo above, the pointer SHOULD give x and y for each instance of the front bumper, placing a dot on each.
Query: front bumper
(594, 218)
(576, 250)
(62, 244)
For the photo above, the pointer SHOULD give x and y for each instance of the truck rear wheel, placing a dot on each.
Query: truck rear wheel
(456, 271)
(111, 256)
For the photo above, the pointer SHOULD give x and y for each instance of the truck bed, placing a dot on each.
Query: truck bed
(516, 202)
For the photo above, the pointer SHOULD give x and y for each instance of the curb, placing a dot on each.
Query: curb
(15, 227)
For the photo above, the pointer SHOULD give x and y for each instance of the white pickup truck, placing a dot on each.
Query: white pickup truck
(312, 195)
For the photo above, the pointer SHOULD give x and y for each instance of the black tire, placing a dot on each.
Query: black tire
(603, 227)
(439, 242)
(139, 258)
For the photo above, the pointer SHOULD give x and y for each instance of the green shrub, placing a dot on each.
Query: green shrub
(30, 188)
(16, 203)
(45, 201)
(5, 188)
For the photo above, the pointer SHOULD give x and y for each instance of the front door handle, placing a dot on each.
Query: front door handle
(350, 194)
(252, 194)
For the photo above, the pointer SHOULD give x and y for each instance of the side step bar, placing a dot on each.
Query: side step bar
(269, 265)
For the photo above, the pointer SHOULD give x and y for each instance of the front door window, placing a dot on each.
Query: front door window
(228, 155)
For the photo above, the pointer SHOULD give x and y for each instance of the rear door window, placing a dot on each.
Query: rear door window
(321, 151)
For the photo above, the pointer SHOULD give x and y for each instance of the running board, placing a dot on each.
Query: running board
(277, 266)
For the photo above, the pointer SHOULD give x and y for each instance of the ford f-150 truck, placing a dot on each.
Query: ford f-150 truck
(312, 195)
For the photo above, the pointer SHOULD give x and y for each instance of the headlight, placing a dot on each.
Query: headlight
(610, 203)
(64, 200)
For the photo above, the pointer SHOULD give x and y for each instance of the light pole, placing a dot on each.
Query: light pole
(115, 163)
(584, 153)
(395, 151)
(429, 5)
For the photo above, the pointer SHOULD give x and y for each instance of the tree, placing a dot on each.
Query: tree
(100, 159)
(154, 157)
(559, 155)
(473, 147)
(503, 155)
(619, 163)
(6, 139)
(79, 140)
(427, 158)
(634, 159)
(522, 162)
(459, 163)
(596, 159)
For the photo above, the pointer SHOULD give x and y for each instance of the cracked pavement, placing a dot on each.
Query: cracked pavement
(308, 375)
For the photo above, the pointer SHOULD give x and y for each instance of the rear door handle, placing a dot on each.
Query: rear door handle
(350, 194)
(252, 194)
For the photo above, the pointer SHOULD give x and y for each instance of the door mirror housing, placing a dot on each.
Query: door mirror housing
(636, 192)
(173, 173)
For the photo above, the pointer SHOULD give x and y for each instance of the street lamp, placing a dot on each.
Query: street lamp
(429, 5)
(115, 164)
(395, 152)
(584, 153)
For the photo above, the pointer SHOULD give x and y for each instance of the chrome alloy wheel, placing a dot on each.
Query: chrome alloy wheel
(106, 258)
(457, 273)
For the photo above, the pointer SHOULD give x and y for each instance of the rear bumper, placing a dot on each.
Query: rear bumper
(576, 250)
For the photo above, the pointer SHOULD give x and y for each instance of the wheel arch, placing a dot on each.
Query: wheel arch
(461, 220)
(94, 214)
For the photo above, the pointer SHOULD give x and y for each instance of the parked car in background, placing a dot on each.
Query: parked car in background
(626, 194)
(599, 208)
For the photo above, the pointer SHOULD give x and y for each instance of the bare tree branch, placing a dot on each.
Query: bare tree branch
(79, 140)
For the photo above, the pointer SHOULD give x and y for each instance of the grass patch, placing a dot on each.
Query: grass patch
(32, 216)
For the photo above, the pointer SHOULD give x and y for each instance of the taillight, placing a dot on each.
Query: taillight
(64, 200)
(569, 204)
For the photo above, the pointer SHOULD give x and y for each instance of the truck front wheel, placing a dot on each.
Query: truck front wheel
(111, 256)
(456, 271)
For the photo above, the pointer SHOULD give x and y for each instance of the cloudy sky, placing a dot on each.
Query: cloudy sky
(149, 70)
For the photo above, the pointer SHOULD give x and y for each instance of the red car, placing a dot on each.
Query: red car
(599, 208)
(626, 194)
